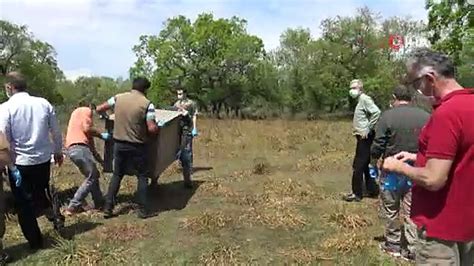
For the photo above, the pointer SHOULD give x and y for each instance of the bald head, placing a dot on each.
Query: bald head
(16, 81)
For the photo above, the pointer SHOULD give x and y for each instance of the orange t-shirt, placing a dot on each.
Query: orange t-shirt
(79, 126)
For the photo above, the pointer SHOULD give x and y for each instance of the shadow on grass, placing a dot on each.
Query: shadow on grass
(162, 198)
(22, 250)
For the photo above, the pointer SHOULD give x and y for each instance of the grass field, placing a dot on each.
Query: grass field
(267, 192)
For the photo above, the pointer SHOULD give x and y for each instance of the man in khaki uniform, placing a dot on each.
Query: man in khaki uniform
(188, 131)
(5, 160)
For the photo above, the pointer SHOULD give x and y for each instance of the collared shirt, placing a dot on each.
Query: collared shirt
(28, 122)
(366, 115)
(78, 127)
(448, 213)
(150, 112)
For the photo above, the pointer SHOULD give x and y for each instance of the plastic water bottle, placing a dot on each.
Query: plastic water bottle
(373, 172)
(391, 182)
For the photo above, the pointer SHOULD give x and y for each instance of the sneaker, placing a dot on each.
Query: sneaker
(352, 198)
(408, 256)
(70, 211)
(391, 250)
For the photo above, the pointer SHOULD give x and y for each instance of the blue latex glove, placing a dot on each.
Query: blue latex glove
(160, 123)
(194, 133)
(16, 175)
(105, 136)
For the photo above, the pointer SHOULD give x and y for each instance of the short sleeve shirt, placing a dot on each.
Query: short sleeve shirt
(448, 214)
(78, 127)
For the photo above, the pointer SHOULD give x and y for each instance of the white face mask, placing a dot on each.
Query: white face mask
(354, 93)
(431, 99)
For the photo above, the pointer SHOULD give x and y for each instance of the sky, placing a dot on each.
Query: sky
(95, 37)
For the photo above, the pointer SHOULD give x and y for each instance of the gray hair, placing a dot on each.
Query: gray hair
(356, 83)
(424, 60)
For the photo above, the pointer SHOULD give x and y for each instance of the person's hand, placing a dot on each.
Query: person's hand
(58, 159)
(105, 136)
(194, 133)
(392, 164)
(16, 176)
(364, 135)
(405, 156)
(379, 163)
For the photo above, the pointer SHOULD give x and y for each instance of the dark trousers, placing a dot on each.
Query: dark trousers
(31, 198)
(129, 155)
(360, 168)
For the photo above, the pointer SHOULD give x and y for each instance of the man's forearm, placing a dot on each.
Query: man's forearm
(419, 175)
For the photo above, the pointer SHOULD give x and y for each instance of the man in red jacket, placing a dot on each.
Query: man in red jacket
(443, 194)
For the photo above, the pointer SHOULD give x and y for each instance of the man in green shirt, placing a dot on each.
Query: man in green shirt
(366, 115)
(188, 131)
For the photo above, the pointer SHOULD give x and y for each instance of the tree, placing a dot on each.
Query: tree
(448, 24)
(212, 58)
(20, 51)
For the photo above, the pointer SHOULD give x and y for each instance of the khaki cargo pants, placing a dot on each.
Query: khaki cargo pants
(431, 251)
(399, 228)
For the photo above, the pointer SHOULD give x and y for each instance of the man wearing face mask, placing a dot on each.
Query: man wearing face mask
(366, 115)
(28, 123)
(134, 120)
(443, 175)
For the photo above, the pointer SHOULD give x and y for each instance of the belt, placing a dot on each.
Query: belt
(78, 144)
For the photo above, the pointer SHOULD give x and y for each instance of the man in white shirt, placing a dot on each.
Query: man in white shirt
(28, 122)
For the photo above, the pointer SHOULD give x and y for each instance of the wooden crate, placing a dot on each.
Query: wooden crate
(162, 149)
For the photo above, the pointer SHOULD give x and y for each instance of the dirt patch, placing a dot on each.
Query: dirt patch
(123, 232)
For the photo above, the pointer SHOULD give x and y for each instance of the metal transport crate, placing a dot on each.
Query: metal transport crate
(162, 149)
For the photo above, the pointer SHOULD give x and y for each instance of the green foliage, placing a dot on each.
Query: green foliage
(449, 21)
(20, 51)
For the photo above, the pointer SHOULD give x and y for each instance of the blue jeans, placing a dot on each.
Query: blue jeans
(186, 157)
(82, 157)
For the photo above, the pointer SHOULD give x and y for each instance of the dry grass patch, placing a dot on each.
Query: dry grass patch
(281, 217)
(304, 256)
(207, 222)
(343, 219)
(345, 243)
(221, 255)
(70, 252)
(295, 190)
(123, 232)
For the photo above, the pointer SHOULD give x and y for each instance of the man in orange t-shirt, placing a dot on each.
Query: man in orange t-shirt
(81, 150)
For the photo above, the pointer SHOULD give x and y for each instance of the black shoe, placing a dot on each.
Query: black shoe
(352, 198)
(390, 249)
(142, 214)
(4, 259)
(108, 214)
